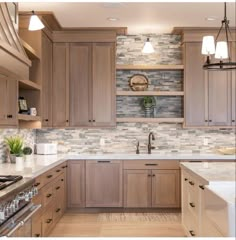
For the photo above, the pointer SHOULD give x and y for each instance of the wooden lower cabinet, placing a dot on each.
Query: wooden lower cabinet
(76, 184)
(151, 188)
(165, 188)
(137, 188)
(104, 184)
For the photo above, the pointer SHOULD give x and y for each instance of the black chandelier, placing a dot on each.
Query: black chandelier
(222, 50)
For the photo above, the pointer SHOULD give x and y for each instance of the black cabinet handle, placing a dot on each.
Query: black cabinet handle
(153, 175)
(206, 120)
(49, 220)
(94, 120)
(37, 235)
(62, 180)
(151, 164)
(58, 170)
(192, 233)
(57, 188)
(103, 161)
(90, 120)
(58, 210)
(46, 120)
(64, 166)
(37, 184)
(191, 183)
(49, 176)
(233, 120)
(149, 175)
(49, 195)
(9, 116)
(192, 205)
(67, 121)
(210, 120)
(185, 179)
(202, 187)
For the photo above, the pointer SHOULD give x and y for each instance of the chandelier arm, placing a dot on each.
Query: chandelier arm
(222, 24)
(227, 39)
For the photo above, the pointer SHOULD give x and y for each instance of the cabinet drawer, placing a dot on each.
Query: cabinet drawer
(36, 227)
(58, 185)
(47, 221)
(152, 164)
(38, 200)
(58, 211)
(39, 182)
(47, 195)
(49, 176)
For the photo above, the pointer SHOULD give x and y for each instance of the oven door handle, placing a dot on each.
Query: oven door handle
(32, 210)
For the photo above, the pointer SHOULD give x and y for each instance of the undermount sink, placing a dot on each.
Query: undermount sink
(220, 206)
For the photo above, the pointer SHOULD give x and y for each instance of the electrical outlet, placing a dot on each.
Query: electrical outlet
(102, 141)
(205, 141)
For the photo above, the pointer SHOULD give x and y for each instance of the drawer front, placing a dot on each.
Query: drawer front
(58, 211)
(49, 176)
(152, 164)
(38, 200)
(47, 195)
(39, 183)
(47, 221)
(36, 226)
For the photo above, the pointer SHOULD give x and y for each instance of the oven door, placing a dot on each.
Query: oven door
(20, 225)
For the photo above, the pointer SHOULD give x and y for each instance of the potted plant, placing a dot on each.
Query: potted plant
(148, 103)
(15, 147)
(27, 151)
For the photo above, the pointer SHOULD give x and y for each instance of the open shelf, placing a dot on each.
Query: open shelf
(29, 85)
(150, 93)
(150, 67)
(25, 117)
(31, 53)
(150, 120)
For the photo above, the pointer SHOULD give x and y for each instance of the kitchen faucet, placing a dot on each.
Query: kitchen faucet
(150, 147)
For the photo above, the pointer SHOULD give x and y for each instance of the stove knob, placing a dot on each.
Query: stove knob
(35, 190)
(26, 197)
(16, 203)
(12, 207)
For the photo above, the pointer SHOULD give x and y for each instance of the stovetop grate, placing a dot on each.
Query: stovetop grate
(7, 180)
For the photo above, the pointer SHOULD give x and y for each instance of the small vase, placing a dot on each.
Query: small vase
(28, 158)
(148, 112)
(19, 163)
(13, 158)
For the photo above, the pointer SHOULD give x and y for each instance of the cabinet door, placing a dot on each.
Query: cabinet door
(3, 101)
(104, 84)
(46, 81)
(103, 183)
(165, 188)
(233, 74)
(80, 84)
(194, 75)
(219, 98)
(137, 188)
(60, 94)
(75, 184)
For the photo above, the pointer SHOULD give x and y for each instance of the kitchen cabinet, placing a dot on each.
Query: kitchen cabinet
(92, 84)
(104, 183)
(151, 184)
(8, 103)
(76, 184)
(209, 99)
(46, 81)
(60, 84)
(233, 76)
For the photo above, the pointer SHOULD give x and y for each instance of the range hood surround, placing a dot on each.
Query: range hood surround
(14, 63)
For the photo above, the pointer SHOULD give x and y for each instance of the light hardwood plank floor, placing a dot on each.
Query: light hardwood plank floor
(119, 225)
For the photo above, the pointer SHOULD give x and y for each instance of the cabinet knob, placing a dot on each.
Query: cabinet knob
(90, 120)
(49, 220)
(94, 120)
(46, 120)
(149, 175)
(206, 120)
(37, 184)
(191, 183)
(192, 205)
(67, 121)
(153, 175)
(185, 179)
(37, 235)
(57, 188)
(202, 187)
(192, 233)
(9, 116)
(58, 210)
(49, 195)
(58, 170)
(210, 120)
(233, 120)
(49, 176)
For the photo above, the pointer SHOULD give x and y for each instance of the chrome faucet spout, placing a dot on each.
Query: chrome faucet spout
(150, 137)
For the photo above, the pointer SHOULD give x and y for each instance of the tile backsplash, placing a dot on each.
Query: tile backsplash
(28, 136)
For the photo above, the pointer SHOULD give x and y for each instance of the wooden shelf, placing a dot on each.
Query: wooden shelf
(149, 67)
(150, 93)
(29, 85)
(24, 117)
(31, 53)
(150, 120)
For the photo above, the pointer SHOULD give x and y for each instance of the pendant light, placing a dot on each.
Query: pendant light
(35, 23)
(148, 48)
(221, 51)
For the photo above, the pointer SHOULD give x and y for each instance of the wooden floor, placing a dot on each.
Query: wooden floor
(119, 225)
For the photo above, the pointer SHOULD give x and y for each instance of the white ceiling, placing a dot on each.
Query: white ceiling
(138, 17)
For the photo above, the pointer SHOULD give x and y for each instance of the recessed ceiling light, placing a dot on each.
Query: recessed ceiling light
(113, 19)
(211, 18)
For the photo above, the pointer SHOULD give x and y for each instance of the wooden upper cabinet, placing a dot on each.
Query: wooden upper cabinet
(165, 188)
(46, 81)
(219, 90)
(76, 184)
(233, 76)
(195, 86)
(104, 84)
(80, 84)
(60, 93)
(8, 102)
(137, 188)
(104, 184)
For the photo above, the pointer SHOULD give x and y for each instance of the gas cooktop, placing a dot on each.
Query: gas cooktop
(7, 180)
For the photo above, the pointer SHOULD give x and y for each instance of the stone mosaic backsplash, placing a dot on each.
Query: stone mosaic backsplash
(166, 106)
(170, 138)
(28, 136)
(167, 49)
(157, 80)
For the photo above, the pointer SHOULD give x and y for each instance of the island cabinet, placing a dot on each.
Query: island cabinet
(209, 95)
(104, 183)
(8, 103)
(52, 197)
(151, 184)
(76, 184)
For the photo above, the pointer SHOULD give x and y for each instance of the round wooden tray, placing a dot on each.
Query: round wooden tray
(138, 82)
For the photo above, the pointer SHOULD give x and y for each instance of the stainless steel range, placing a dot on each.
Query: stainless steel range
(16, 207)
